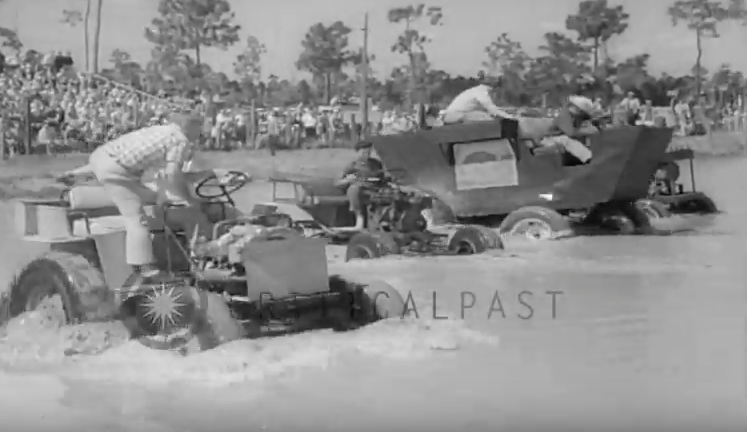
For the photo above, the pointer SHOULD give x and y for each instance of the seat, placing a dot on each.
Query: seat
(92, 198)
(89, 202)
(322, 192)
(314, 191)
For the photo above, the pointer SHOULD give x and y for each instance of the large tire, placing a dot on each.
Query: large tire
(384, 301)
(623, 219)
(493, 240)
(216, 323)
(653, 209)
(618, 223)
(640, 218)
(199, 321)
(698, 203)
(81, 287)
(467, 240)
(370, 245)
(364, 303)
(535, 222)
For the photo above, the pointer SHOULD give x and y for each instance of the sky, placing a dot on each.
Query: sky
(458, 45)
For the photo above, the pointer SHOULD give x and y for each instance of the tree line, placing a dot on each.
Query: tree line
(574, 61)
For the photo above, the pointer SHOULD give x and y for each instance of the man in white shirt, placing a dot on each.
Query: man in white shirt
(631, 105)
(309, 123)
(475, 104)
(120, 165)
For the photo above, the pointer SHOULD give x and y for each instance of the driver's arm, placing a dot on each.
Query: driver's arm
(483, 98)
(176, 182)
(350, 170)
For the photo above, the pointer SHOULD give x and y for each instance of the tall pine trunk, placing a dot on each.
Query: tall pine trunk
(97, 37)
(87, 35)
(698, 70)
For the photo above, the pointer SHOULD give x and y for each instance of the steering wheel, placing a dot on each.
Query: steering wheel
(222, 187)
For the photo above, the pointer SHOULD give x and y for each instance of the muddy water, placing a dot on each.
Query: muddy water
(640, 331)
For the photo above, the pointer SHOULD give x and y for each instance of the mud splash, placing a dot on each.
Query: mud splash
(38, 341)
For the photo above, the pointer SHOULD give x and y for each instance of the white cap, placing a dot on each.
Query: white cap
(583, 103)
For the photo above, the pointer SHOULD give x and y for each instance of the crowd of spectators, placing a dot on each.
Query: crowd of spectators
(66, 106)
(69, 108)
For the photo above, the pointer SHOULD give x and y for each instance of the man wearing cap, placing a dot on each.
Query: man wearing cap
(354, 175)
(475, 104)
(563, 129)
(119, 166)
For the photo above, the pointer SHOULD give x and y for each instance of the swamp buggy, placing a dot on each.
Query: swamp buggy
(255, 277)
(484, 173)
(394, 221)
(668, 196)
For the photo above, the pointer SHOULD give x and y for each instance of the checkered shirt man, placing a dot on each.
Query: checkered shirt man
(150, 148)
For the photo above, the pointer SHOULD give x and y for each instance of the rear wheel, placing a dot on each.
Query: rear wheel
(653, 209)
(618, 223)
(370, 245)
(624, 218)
(493, 240)
(535, 223)
(467, 240)
(383, 300)
(81, 287)
(364, 303)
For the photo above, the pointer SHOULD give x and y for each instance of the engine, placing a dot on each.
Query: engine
(392, 208)
(224, 252)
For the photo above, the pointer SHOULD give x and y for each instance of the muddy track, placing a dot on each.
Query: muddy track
(634, 326)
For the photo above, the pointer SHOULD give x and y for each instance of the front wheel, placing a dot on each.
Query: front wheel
(370, 245)
(698, 203)
(535, 223)
(171, 317)
(81, 287)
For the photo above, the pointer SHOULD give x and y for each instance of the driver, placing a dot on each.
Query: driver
(563, 129)
(119, 166)
(476, 104)
(354, 177)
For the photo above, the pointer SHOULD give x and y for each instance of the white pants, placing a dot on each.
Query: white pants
(576, 148)
(466, 117)
(129, 195)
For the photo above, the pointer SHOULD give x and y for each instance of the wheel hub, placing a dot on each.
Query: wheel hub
(165, 309)
(532, 228)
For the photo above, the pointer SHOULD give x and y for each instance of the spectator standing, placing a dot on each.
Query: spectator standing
(273, 130)
(647, 113)
(631, 105)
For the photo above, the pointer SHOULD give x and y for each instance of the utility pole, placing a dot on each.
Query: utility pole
(364, 79)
